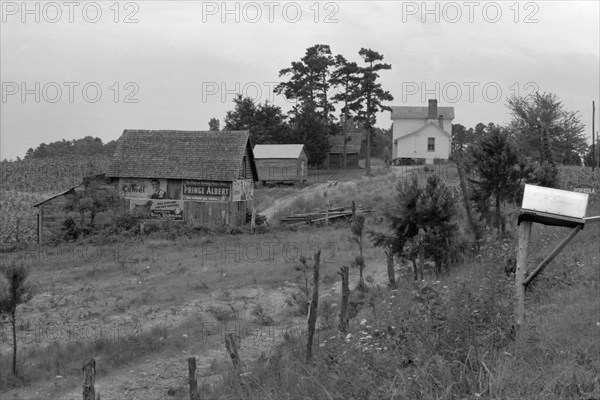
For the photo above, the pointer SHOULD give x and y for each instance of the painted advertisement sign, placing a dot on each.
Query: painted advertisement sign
(159, 209)
(242, 190)
(206, 191)
(140, 188)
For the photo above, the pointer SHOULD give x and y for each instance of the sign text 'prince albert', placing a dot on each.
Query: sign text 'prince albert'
(206, 190)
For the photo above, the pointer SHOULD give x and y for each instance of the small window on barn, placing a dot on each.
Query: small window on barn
(431, 144)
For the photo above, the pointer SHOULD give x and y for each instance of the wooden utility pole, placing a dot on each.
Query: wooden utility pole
(524, 238)
(89, 378)
(593, 138)
(344, 271)
(314, 303)
(194, 394)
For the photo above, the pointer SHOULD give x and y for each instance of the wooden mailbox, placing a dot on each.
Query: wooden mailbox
(553, 206)
(549, 207)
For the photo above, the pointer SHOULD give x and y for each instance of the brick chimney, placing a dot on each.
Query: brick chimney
(432, 114)
(441, 121)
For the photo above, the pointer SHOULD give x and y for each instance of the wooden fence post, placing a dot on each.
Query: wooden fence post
(326, 209)
(89, 378)
(345, 294)
(253, 221)
(524, 238)
(232, 349)
(390, 267)
(194, 394)
(314, 303)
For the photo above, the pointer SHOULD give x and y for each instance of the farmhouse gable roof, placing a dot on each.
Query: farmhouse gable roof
(408, 112)
(170, 154)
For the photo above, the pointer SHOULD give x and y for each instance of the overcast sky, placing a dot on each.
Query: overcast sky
(73, 69)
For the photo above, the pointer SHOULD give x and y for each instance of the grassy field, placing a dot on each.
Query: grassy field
(141, 305)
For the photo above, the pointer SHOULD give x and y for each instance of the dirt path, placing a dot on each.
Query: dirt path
(285, 201)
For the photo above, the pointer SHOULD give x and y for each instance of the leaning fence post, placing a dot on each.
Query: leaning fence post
(232, 349)
(194, 394)
(314, 303)
(345, 294)
(89, 378)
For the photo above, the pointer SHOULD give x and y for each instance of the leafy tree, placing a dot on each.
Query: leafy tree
(345, 77)
(462, 137)
(371, 94)
(87, 146)
(545, 130)
(214, 124)
(93, 199)
(422, 221)
(266, 122)
(13, 292)
(309, 81)
(588, 159)
(495, 162)
(312, 132)
(436, 209)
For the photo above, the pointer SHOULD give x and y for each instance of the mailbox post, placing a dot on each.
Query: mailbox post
(549, 207)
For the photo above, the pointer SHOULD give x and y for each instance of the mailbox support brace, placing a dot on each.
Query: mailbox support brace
(553, 254)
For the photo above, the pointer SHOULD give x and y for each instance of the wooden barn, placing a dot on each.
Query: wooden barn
(201, 178)
(335, 157)
(281, 162)
(204, 178)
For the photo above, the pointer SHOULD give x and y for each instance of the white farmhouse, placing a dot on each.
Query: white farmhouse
(422, 132)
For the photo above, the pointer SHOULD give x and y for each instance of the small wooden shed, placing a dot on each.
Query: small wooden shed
(281, 162)
(335, 157)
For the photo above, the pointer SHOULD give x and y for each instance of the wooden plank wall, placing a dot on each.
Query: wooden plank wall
(213, 214)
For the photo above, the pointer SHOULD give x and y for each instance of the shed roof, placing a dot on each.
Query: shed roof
(277, 151)
(353, 144)
(407, 112)
(170, 154)
(57, 195)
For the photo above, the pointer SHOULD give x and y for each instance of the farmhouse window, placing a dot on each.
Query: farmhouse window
(431, 144)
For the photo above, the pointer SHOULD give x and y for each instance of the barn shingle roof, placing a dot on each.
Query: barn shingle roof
(352, 146)
(169, 154)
